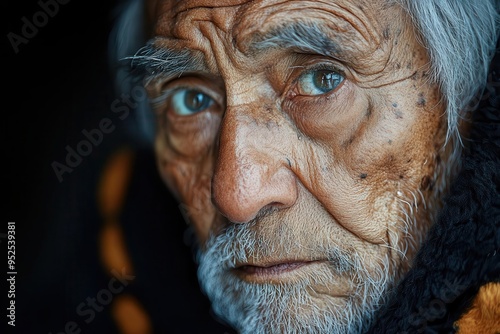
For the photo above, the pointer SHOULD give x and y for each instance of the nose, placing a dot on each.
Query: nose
(251, 173)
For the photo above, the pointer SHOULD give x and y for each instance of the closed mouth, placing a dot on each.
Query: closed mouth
(271, 272)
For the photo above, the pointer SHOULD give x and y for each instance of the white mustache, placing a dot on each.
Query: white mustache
(241, 244)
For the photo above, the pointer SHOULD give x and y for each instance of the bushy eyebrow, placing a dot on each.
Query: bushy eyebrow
(303, 36)
(153, 62)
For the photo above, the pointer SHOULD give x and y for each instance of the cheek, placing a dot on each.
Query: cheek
(397, 160)
(398, 144)
(391, 157)
(191, 183)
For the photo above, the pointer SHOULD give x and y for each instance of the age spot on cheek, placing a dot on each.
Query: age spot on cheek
(397, 112)
(421, 101)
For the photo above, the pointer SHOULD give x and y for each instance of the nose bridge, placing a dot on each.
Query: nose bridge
(249, 173)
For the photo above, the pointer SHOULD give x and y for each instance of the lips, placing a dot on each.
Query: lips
(272, 270)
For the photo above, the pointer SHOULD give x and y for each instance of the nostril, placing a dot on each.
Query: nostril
(269, 209)
(275, 206)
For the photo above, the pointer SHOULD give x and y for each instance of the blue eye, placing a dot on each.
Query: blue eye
(319, 82)
(186, 102)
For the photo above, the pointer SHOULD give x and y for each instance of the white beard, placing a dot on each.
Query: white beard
(290, 307)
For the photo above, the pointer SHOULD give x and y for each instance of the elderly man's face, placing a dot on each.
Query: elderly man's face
(303, 138)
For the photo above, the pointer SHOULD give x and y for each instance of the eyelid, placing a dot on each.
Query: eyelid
(308, 62)
(322, 67)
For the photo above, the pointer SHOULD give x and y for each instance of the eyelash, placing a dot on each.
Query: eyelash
(322, 67)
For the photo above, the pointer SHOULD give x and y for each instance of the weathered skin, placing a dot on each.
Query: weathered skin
(333, 168)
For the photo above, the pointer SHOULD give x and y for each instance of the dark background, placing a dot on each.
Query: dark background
(57, 85)
(48, 100)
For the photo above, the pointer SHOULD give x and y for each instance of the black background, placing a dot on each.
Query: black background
(49, 97)
(58, 84)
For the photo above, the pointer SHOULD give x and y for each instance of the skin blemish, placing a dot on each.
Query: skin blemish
(398, 113)
(395, 105)
(421, 100)
(363, 175)
(389, 142)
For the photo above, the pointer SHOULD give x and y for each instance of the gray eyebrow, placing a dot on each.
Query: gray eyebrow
(153, 62)
(303, 36)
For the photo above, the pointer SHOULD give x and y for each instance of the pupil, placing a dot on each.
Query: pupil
(194, 100)
(324, 80)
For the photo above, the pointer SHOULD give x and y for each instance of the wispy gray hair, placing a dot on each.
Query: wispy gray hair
(127, 36)
(460, 36)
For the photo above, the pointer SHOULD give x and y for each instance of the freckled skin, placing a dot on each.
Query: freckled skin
(344, 158)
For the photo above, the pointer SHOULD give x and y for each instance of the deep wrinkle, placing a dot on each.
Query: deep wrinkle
(276, 156)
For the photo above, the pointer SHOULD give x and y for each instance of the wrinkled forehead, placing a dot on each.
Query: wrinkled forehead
(358, 22)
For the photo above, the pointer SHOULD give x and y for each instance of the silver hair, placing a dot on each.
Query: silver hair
(127, 36)
(460, 36)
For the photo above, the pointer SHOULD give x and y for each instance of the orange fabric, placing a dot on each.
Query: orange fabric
(128, 313)
(130, 316)
(484, 315)
(111, 195)
(114, 181)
